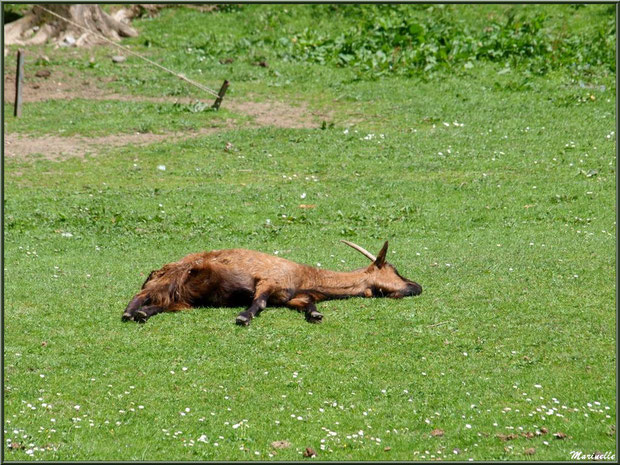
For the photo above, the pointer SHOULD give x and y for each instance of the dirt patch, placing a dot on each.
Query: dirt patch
(279, 114)
(60, 86)
(276, 114)
(56, 86)
(58, 148)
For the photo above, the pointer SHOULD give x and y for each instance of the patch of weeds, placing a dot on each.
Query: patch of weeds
(200, 107)
(393, 41)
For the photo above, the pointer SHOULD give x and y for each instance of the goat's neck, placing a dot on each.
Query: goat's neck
(328, 284)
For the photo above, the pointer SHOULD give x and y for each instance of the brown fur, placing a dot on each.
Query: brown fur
(240, 277)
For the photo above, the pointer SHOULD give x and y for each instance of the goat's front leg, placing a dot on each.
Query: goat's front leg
(258, 304)
(306, 303)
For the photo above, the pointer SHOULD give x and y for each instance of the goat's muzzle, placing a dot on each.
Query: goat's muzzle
(413, 289)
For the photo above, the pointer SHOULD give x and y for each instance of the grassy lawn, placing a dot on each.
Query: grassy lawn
(494, 183)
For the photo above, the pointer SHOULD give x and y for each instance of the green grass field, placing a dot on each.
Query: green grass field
(493, 181)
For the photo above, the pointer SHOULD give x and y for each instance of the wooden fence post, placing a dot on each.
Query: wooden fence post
(220, 96)
(19, 79)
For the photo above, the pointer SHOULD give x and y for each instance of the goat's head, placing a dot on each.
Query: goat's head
(384, 280)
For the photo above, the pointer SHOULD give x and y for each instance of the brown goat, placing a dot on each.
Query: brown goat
(239, 277)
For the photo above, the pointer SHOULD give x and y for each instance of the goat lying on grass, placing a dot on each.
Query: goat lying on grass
(239, 277)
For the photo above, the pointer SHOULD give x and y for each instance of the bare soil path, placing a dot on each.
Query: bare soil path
(59, 86)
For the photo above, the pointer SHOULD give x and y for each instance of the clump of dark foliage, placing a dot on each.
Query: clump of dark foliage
(388, 41)
(379, 40)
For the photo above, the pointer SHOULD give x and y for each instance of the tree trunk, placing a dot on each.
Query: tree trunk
(39, 26)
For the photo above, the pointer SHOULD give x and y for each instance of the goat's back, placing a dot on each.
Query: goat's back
(258, 265)
(223, 277)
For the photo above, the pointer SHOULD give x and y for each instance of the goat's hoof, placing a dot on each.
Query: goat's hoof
(242, 320)
(126, 317)
(314, 317)
(140, 316)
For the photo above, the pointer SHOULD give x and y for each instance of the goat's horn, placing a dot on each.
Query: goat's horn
(361, 250)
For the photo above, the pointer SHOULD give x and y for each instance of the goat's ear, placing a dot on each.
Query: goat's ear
(380, 261)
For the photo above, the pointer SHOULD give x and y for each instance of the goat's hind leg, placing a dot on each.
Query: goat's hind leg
(144, 313)
(258, 304)
(136, 303)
